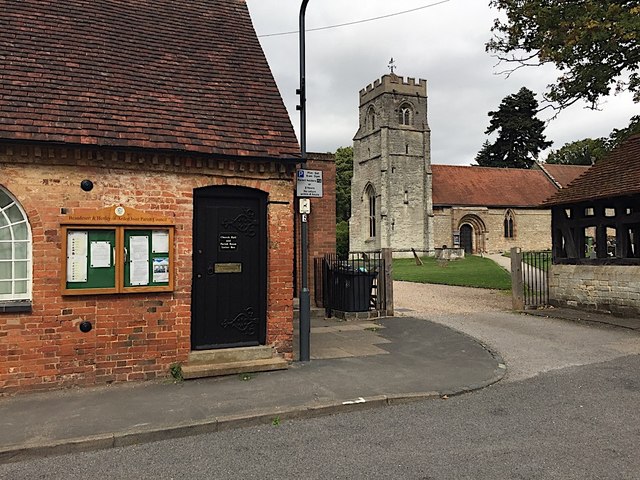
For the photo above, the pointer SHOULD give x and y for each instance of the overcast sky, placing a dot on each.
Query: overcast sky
(443, 44)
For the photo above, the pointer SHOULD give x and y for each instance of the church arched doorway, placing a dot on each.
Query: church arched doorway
(466, 238)
(472, 234)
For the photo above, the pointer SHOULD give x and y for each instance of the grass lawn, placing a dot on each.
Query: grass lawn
(470, 271)
(539, 260)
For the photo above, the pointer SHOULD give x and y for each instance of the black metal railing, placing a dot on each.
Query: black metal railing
(354, 284)
(535, 278)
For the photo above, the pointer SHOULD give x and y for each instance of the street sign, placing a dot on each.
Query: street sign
(309, 183)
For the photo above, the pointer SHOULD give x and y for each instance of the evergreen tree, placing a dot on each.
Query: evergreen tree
(520, 133)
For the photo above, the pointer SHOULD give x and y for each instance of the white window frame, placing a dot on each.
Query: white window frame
(11, 224)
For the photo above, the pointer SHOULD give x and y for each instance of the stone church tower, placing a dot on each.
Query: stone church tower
(391, 204)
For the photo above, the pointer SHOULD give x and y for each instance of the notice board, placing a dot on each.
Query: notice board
(107, 251)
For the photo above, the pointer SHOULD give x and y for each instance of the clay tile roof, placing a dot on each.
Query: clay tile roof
(184, 75)
(490, 187)
(564, 174)
(616, 175)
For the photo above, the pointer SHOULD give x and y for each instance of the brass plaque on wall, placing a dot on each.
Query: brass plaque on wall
(228, 268)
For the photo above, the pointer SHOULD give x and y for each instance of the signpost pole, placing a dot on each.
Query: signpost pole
(305, 301)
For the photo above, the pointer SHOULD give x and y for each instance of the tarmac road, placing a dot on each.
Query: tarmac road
(567, 409)
(528, 344)
(577, 423)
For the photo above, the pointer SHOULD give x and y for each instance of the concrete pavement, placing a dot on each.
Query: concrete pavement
(355, 365)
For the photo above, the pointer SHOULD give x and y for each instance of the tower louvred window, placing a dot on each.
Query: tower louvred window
(405, 115)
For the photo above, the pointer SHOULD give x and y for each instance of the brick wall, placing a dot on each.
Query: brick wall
(135, 336)
(607, 288)
(322, 220)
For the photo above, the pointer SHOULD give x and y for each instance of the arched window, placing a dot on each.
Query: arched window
(371, 119)
(370, 195)
(508, 224)
(405, 114)
(15, 250)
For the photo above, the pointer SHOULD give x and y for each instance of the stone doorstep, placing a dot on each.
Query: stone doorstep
(202, 370)
(231, 361)
(227, 355)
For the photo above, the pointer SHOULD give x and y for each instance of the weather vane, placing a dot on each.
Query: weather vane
(392, 65)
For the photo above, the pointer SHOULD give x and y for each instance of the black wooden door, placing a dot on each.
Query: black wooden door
(466, 238)
(229, 268)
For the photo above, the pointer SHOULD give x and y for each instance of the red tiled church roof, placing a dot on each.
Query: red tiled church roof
(564, 174)
(616, 175)
(490, 187)
(184, 75)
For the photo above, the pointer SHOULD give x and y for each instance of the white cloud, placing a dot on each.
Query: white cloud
(443, 44)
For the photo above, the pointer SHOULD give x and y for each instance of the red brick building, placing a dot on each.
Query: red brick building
(146, 190)
(322, 220)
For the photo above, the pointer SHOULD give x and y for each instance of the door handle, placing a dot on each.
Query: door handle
(210, 269)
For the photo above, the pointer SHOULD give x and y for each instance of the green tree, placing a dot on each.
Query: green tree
(594, 43)
(520, 133)
(589, 150)
(581, 152)
(342, 239)
(618, 136)
(344, 173)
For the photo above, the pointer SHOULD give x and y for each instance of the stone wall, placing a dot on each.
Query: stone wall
(606, 288)
(532, 228)
(135, 336)
(395, 159)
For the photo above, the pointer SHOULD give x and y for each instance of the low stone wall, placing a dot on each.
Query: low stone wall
(605, 288)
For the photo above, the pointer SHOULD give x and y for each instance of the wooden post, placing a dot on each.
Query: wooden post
(517, 285)
(388, 280)
(415, 255)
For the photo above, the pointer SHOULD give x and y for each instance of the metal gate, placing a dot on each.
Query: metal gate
(354, 284)
(535, 278)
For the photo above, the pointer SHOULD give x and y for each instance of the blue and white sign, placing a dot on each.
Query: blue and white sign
(309, 184)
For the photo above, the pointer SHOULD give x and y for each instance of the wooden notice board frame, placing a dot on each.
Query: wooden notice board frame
(99, 255)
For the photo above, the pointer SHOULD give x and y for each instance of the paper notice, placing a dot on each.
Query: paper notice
(139, 258)
(160, 241)
(139, 273)
(100, 254)
(161, 270)
(139, 248)
(77, 257)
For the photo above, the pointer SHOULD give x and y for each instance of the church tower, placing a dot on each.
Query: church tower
(391, 203)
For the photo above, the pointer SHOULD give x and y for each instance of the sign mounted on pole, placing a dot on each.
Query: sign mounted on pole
(309, 183)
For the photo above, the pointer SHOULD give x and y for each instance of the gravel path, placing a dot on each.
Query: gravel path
(529, 345)
(435, 299)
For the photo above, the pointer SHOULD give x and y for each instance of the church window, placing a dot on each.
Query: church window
(406, 197)
(371, 119)
(406, 148)
(404, 115)
(371, 198)
(508, 224)
(15, 250)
